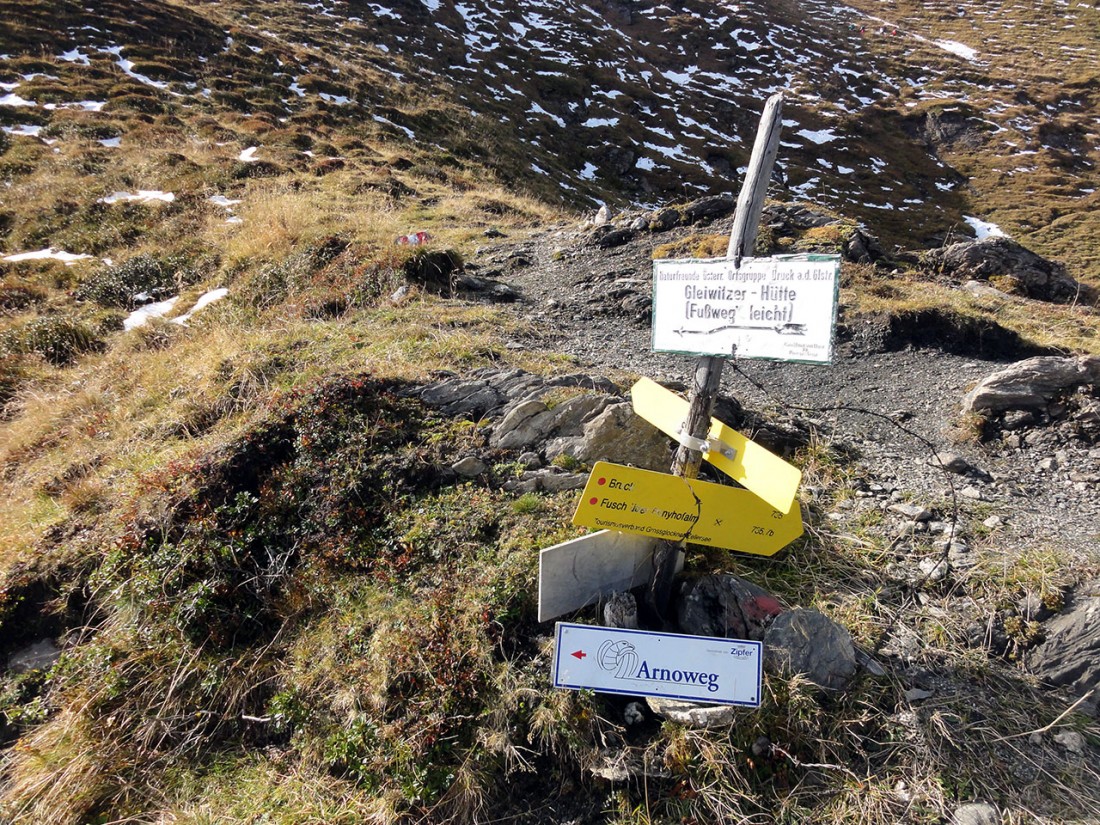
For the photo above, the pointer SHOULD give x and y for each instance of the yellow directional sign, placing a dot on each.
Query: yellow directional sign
(668, 507)
(758, 469)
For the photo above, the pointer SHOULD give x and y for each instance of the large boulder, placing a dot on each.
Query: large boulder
(808, 642)
(1032, 384)
(1008, 264)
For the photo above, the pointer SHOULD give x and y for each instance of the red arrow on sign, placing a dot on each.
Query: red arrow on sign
(580, 654)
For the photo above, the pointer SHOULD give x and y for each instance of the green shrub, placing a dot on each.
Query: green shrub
(118, 286)
(57, 339)
(17, 295)
(12, 374)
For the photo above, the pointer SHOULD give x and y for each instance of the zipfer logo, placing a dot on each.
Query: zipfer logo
(621, 658)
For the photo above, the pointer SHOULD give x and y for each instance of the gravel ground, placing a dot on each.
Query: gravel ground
(593, 304)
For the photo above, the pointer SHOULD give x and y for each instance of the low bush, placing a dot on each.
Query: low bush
(16, 295)
(58, 339)
(143, 275)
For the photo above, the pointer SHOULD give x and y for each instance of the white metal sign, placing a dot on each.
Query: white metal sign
(577, 573)
(673, 666)
(781, 308)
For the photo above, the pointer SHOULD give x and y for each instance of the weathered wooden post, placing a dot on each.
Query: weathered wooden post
(708, 371)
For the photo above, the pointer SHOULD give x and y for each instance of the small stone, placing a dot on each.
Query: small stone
(953, 463)
(692, 714)
(971, 492)
(1072, 741)
(1048, 464)
(1016, 419)
(634, 713)
(639, 224)
(976, 813)
(469, 467)
(911, 511)
(935, 569)
(993, 522)
(916, 694)
(400, 295)
(808, 642)
(530, 460)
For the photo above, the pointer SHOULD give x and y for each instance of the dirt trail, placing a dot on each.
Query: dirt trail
(593, 304)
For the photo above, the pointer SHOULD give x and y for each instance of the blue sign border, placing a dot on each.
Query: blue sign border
(558, 651)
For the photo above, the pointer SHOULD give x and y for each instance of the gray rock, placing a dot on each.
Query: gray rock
(976, 813)
(622, 764)
(634, 713)
(530, 460)
(911, 511)
(621, 610)
(469, 467)
(692, 714)
(639, 225)
(810, 643)
(529, 423)
(42, 655)
(603, 216)
(663, 220)
(522, 426)
(1072, 741)
(1016, 419)
(1070, 655)
(953, 463)
(617, 434)
(726, 606)
(1032, 384)
(616, 237)
(934, 569)
(1030, 274)
(551, 481)
(711, 207)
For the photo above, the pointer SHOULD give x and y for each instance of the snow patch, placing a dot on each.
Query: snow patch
(141, 196)
(68, 258)
(141, 316)
(984, 229)
(819, 137)
(203, 302)
(957, 48)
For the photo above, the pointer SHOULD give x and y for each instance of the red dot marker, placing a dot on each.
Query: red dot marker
(593, 500)
(602, 482)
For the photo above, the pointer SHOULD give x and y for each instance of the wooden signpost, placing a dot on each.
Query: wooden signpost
(708, 371)
(782, 308)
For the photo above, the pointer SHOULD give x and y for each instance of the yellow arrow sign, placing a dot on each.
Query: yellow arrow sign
(668, 507)
(760, 470)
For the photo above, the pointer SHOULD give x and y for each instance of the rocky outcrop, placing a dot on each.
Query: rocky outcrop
(1009, 265)
(1032, 384)
(488, 391)
(1070, 655)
